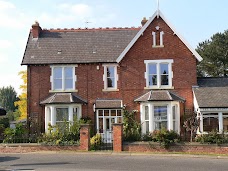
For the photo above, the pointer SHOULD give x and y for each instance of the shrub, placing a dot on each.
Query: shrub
(212, 138)
(17, 135)
(68, 134)
(95, 142)
(131, 128)
(165, 137)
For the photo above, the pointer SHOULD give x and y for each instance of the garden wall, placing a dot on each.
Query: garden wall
(194, 148)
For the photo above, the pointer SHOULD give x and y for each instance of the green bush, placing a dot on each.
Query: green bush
(131, 128)
(16, 135)
(95, 142)
(212, 138)
(68, 134)
(165, 137)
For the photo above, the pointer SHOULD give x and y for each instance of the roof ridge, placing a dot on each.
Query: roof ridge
(89, 29)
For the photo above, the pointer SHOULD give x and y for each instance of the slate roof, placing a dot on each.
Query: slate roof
(210, 97)
(63, 98)
(108, 104)
(212, 81)
(159, 95)
(212, 92)
(77, 46)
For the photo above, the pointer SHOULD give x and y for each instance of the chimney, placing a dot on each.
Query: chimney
(144, 20)
(36, 29)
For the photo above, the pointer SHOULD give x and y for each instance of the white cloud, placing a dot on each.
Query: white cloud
(3, 59)
(11, 17)
(5, 5)
(5, 44)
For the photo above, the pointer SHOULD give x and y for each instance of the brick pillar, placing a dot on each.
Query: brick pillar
(117, 137)
(85, 137)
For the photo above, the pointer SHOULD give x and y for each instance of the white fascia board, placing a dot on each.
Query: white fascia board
(157, 14)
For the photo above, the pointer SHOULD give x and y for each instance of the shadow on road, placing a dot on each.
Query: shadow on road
(8, 158)
(47, 164)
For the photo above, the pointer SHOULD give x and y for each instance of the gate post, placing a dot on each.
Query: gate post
(117, 137)
(85, 137)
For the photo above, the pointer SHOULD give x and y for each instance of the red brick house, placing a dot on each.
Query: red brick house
(96, 72)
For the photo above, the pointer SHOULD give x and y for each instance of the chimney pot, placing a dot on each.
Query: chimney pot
(36, 29)
(144, 20)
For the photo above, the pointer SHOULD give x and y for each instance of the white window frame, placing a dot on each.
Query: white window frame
(169, 115)
(219, 115)
(154, 39)
(50, 113)
(158, 62)
(63, 89)
(106, 88)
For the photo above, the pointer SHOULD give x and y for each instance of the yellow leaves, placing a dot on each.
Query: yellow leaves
(22, 103)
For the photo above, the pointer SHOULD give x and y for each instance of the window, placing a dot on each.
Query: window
(110, 77)
(147, 118)
(158, 73)
(225, 122)
(59, 115)
(210, 122)
(63, 78)
(62, 117)
(160, 117)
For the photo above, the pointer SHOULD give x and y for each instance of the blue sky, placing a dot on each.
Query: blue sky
(195, 20)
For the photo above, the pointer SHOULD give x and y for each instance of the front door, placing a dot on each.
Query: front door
(105, 119)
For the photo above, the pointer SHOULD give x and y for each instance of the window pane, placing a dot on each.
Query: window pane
(113, 112)
(164, 80)
(100, 112)
(100, 125)
(57, 72)
(68, 72)
(110, 71)
(147, 126)
(57, 84)
(160, 117)
(62, 114)
(106, 112)
(68, 83)
(164, 68)
(146, 113)
(152, 69)
(210, 124)
(225, 124)
(75, 113)
(174, 112)
(111, 82)
(119, 120)
(119, 113)
(160, 112)
(152, 80)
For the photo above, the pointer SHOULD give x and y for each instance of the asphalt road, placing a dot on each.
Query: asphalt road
(85, 162)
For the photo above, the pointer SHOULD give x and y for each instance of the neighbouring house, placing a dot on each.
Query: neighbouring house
(97, 72)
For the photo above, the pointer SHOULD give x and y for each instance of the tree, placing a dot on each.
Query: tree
(22, 102)
(191, 124)
(7, 98)
(215, 56)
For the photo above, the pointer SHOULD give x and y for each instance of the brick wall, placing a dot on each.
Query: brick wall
(131, 75)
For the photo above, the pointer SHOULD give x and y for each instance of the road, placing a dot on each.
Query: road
(87, 162)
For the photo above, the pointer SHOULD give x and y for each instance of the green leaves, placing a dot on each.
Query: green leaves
(215, 56)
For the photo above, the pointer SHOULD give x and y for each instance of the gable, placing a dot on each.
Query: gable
(137, 36)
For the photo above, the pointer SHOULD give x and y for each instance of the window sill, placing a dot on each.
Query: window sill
(158, 46)
(158, 88)
(110, 89)
(62, 91)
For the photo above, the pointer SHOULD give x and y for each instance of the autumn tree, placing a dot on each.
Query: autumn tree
(215, 56)
(22, 102)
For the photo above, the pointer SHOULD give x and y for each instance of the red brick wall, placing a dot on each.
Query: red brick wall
(131, 74)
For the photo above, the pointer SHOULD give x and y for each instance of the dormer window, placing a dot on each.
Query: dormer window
(63, 78)
(156, 41)
(158, 74)
(110, 77)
